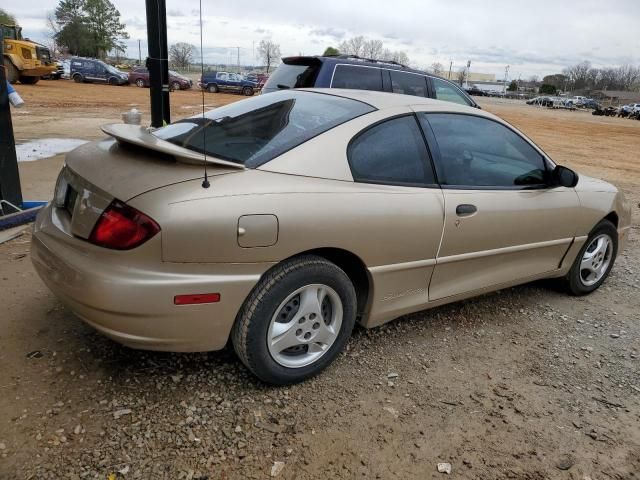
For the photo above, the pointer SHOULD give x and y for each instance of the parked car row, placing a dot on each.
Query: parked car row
(91, 70)
(558, 101)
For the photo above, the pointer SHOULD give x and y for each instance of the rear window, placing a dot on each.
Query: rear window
(289, 75)
(357, 77)
(257, 130)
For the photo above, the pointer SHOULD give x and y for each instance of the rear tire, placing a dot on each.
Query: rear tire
(140, 83)
(595, 260)
(175, 86)
(283, 301)
(213, 88)
(78, 78)
(12, 72)
(247, 91)
(29, 80)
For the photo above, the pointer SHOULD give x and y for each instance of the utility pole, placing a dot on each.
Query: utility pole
(450, 67)
(238, 60)
(139, 53)
(9, 174)
(506, 75)
(466, 80)
(158, 62)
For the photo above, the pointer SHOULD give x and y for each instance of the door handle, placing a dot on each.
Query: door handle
(465, 210)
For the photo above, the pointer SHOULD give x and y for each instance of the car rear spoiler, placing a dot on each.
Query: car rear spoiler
(141, 137)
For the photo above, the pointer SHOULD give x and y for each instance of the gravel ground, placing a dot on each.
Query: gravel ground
(526, 383)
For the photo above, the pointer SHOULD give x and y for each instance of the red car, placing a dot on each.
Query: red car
(140, 77)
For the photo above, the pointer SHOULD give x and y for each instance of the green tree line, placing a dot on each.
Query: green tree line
(88, 28)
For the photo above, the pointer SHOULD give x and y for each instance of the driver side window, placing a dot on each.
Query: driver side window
(479, 152)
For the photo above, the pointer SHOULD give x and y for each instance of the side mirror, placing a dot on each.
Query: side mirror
(564, 177)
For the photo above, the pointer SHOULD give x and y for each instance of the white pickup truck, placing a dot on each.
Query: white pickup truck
(576, 101)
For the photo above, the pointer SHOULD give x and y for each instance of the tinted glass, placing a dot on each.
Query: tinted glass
(479, 152)
(359, 78)
(409, 83)
(293, 76)
(391, 152)
(258, 129)
(447, 92)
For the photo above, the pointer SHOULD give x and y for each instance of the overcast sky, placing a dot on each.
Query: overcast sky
(533, 37)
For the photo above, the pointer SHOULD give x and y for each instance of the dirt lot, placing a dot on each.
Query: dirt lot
(526, 383)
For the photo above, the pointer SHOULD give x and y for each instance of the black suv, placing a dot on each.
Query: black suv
(349, 71)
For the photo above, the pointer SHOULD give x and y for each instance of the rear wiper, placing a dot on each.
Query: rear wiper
(282, 87)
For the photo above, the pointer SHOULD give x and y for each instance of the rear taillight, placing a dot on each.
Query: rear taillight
(121, 227)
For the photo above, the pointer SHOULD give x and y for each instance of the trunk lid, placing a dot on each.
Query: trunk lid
(99, 172)
(136, 163)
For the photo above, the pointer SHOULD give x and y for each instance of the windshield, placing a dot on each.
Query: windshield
(111, 69)
(254, 131)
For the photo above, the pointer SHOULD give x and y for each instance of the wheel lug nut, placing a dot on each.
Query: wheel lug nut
(316, 326)
(312, 316)
(299, 332)
(302, 320)
(307, 335)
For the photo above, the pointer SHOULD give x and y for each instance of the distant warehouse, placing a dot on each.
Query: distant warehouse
(616, 97)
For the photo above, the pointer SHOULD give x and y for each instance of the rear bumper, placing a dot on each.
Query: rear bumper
(128, 296)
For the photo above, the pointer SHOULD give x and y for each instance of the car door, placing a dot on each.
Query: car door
(235, 82)
(89, 71)
(391, 156)
(222, 80)
(504, 223)
(409, 83)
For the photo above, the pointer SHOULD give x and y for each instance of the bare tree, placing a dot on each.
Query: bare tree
(372, 49)
(397, 56)
(460, 76)
(437, 68)
(353, 46)
(181, 54)
(268, 51)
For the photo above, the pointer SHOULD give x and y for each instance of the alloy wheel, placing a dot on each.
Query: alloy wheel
(596, 259)
(305, 326)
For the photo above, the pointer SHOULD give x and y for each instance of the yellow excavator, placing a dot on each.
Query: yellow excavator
(24, 59)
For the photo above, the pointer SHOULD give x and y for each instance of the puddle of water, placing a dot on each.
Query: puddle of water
(46, 148)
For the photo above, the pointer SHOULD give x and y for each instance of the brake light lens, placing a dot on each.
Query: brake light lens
(121, 227)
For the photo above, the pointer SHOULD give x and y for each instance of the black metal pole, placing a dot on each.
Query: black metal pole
(158, 62)
(9, 174)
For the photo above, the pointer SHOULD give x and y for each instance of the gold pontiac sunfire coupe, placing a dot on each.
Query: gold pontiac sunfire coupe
(320, 208)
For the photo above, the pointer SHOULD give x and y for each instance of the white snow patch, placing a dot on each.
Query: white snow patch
(46, 147)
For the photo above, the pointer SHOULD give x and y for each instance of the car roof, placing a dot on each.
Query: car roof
(384, 100)
(370, 62)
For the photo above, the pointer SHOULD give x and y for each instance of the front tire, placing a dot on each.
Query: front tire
(175, 86)
(296, 320)
(247, 91)
(140, 83)
(213, 88)
(78, 78)
(595, 260)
